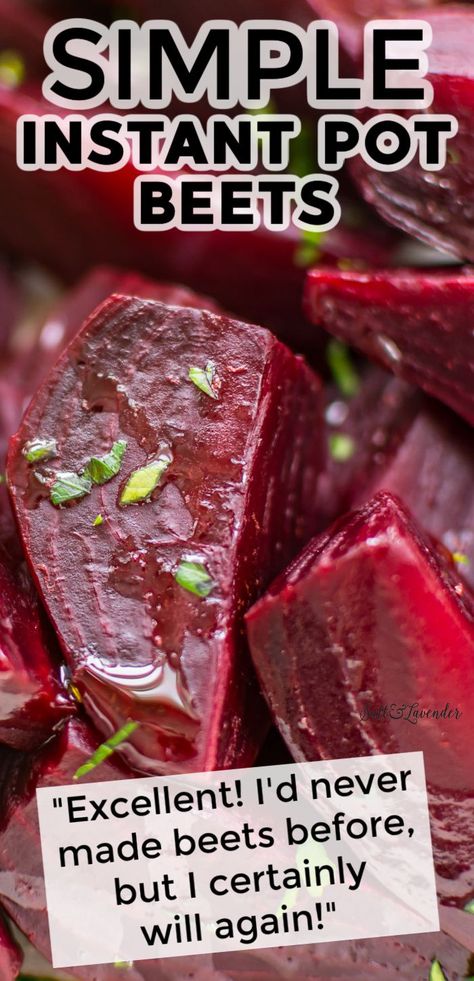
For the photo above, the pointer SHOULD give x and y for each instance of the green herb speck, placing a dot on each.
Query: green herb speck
(194, 577)
(436, 972)
(106, 749)
(341, 447)
(142, 482)
(40, 449)
(206, 379)
(469, 907)
(12, 69)
(98, 521)
(69, 487)
(460, 558)
(342, 368)
(101, 469)
(308, 252)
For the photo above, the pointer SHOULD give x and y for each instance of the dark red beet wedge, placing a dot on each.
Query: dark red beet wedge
(370, 615)
(215, 491)
(80, 301)
(405, 443)
(22, 892)
(416, 324)
(32, 701)
(11, 957)
(437, 206)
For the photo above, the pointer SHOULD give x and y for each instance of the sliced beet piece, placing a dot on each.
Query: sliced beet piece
(32, 700)
(409, 445)
(11, 957)
(152, 599)
(369, 615)
(437, 207)
(22, 892)
(417, 324)
(67, 318)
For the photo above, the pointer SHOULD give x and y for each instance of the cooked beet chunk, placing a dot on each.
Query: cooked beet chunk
(187, 453)
(438, 206)
(11, 956)
(32, 701)
(370, 615)
(417, 324)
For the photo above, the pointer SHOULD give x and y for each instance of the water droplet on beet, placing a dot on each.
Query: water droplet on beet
(388, 350)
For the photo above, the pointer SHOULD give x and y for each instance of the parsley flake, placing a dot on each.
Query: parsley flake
(101, 469)
(341, 447)
(98, 521)
(436, 972)
(142, 482)
(460, 558)
(69, 487)
(206, 379)
(12, 69)
(307, 252)
(469, 907)
(106, 749)
(342, 368)
(194, 577)
(40, 449)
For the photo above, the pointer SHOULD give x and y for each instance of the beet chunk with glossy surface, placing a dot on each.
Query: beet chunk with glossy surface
(32, 701)
(417, 324)
(436, 206)
(371, 615)
(147, 573)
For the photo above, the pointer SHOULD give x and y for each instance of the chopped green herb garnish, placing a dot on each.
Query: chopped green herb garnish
(269, 110)
(469, 907)
(98, 521)
(308, 252)
(12, 69)
(460, 558)
(303, 152)
(141, 483)
(123, 965)
(40, 449)
(453, 155)
(206, 379)
(3, 479)
(101, 469)
(106, 749)
(436, 972)
(342, 368)
(194, 577)
(341, 447)
(69, 487)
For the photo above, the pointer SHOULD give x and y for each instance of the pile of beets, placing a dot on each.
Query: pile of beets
(232, 542)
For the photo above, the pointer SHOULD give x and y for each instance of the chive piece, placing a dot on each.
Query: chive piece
(460, 558)
(303, 152)
(469, 907)
(194, 577)
(141, 483)
(101, 469)
(69, 487)
(308, 253)
(341, 447)
(342, 368)
(98, 521)
(436, 972)
(12, 69)
(206, 379)
(40, 449)
(106, 749)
